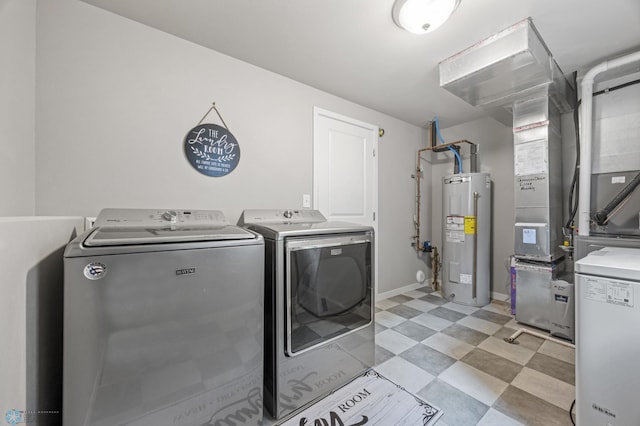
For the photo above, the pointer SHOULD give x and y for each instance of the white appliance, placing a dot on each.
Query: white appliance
(608, 337)
(163, 319)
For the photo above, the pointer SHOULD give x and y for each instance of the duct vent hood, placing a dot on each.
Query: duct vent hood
(511, 65)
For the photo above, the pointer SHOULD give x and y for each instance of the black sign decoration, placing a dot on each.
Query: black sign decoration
(212, 150)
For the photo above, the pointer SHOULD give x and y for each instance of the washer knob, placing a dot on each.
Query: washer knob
(288, 214)
(170, 216)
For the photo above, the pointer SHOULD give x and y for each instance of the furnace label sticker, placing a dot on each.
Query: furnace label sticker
(596, 290)
(619, 293)
(531, 158)
(528, 236)
(610, 291)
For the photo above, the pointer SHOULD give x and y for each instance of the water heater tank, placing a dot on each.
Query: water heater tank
(466, 203)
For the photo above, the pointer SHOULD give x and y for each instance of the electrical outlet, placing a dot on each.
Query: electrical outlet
(306, 200)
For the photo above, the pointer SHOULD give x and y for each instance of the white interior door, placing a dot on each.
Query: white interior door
(345, 170)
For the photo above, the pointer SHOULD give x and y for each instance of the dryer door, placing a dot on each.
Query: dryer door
(328, 289)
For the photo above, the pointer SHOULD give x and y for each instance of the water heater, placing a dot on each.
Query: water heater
(466, 203)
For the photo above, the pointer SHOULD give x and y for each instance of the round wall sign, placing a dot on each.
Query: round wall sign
(212, 150)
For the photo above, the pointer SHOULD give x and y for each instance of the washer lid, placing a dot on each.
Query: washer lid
(118, 236)
(118, 227)
(614, 262)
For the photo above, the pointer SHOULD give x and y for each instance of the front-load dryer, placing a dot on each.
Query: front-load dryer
(163, 321)
(319, 301)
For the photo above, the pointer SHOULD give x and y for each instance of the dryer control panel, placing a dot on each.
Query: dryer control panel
(259, 216)
(159, 218)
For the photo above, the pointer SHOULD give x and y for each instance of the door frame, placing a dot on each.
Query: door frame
(320, 112)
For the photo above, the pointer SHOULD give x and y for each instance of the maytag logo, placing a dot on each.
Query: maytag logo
(185, 271)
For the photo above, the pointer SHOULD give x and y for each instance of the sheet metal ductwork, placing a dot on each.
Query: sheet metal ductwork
(514, 77)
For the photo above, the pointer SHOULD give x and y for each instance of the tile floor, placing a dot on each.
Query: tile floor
(454, 356)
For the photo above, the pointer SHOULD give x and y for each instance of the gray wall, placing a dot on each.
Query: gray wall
(495, 156)
(17, 107)
(115, 99)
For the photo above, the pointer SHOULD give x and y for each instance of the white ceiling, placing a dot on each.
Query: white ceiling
(352, 48)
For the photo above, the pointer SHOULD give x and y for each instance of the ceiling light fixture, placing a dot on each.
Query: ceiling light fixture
(422, 16)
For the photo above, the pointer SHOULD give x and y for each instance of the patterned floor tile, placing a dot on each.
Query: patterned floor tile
(382, 355)
(460, 409)
(447, 314)
(501, 308)
(466, 334)
(529, 409)
(455, 357)
(386, 304)
(414, 293)
(405, 311)
(481, 325)
(431, 321)
(529, 341)
(430, 360)
(491, 316)
(414, 331)
(504, 332)
(420, 305)
(394, 341)
(556, 350)
(496, 418)
(478, 384)
(432, 298)
(448, 345)
(400, 298)
(405, 374)
(506, 350)
(552, 390)
(492, 364)
(463, 309)
(553, 367)
(389, 319)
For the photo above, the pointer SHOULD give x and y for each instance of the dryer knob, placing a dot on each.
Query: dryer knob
(170, 216)
(288, 214)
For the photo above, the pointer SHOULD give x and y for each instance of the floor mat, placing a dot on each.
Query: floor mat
(367, 400)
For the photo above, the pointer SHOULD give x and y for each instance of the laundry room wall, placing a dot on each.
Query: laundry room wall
(495, 156)
(17, 107)
(116, 98)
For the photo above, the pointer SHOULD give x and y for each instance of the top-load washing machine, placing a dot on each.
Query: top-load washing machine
(163, 321)
(319, 301)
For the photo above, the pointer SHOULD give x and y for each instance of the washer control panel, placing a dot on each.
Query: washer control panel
(159, 218)
(281, 216)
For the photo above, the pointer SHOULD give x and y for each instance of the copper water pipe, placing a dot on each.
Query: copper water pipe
(419, 173)
(435, 264)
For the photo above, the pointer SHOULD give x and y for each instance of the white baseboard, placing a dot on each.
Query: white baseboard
(388, 294)
(499, 296)
(397, 291)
